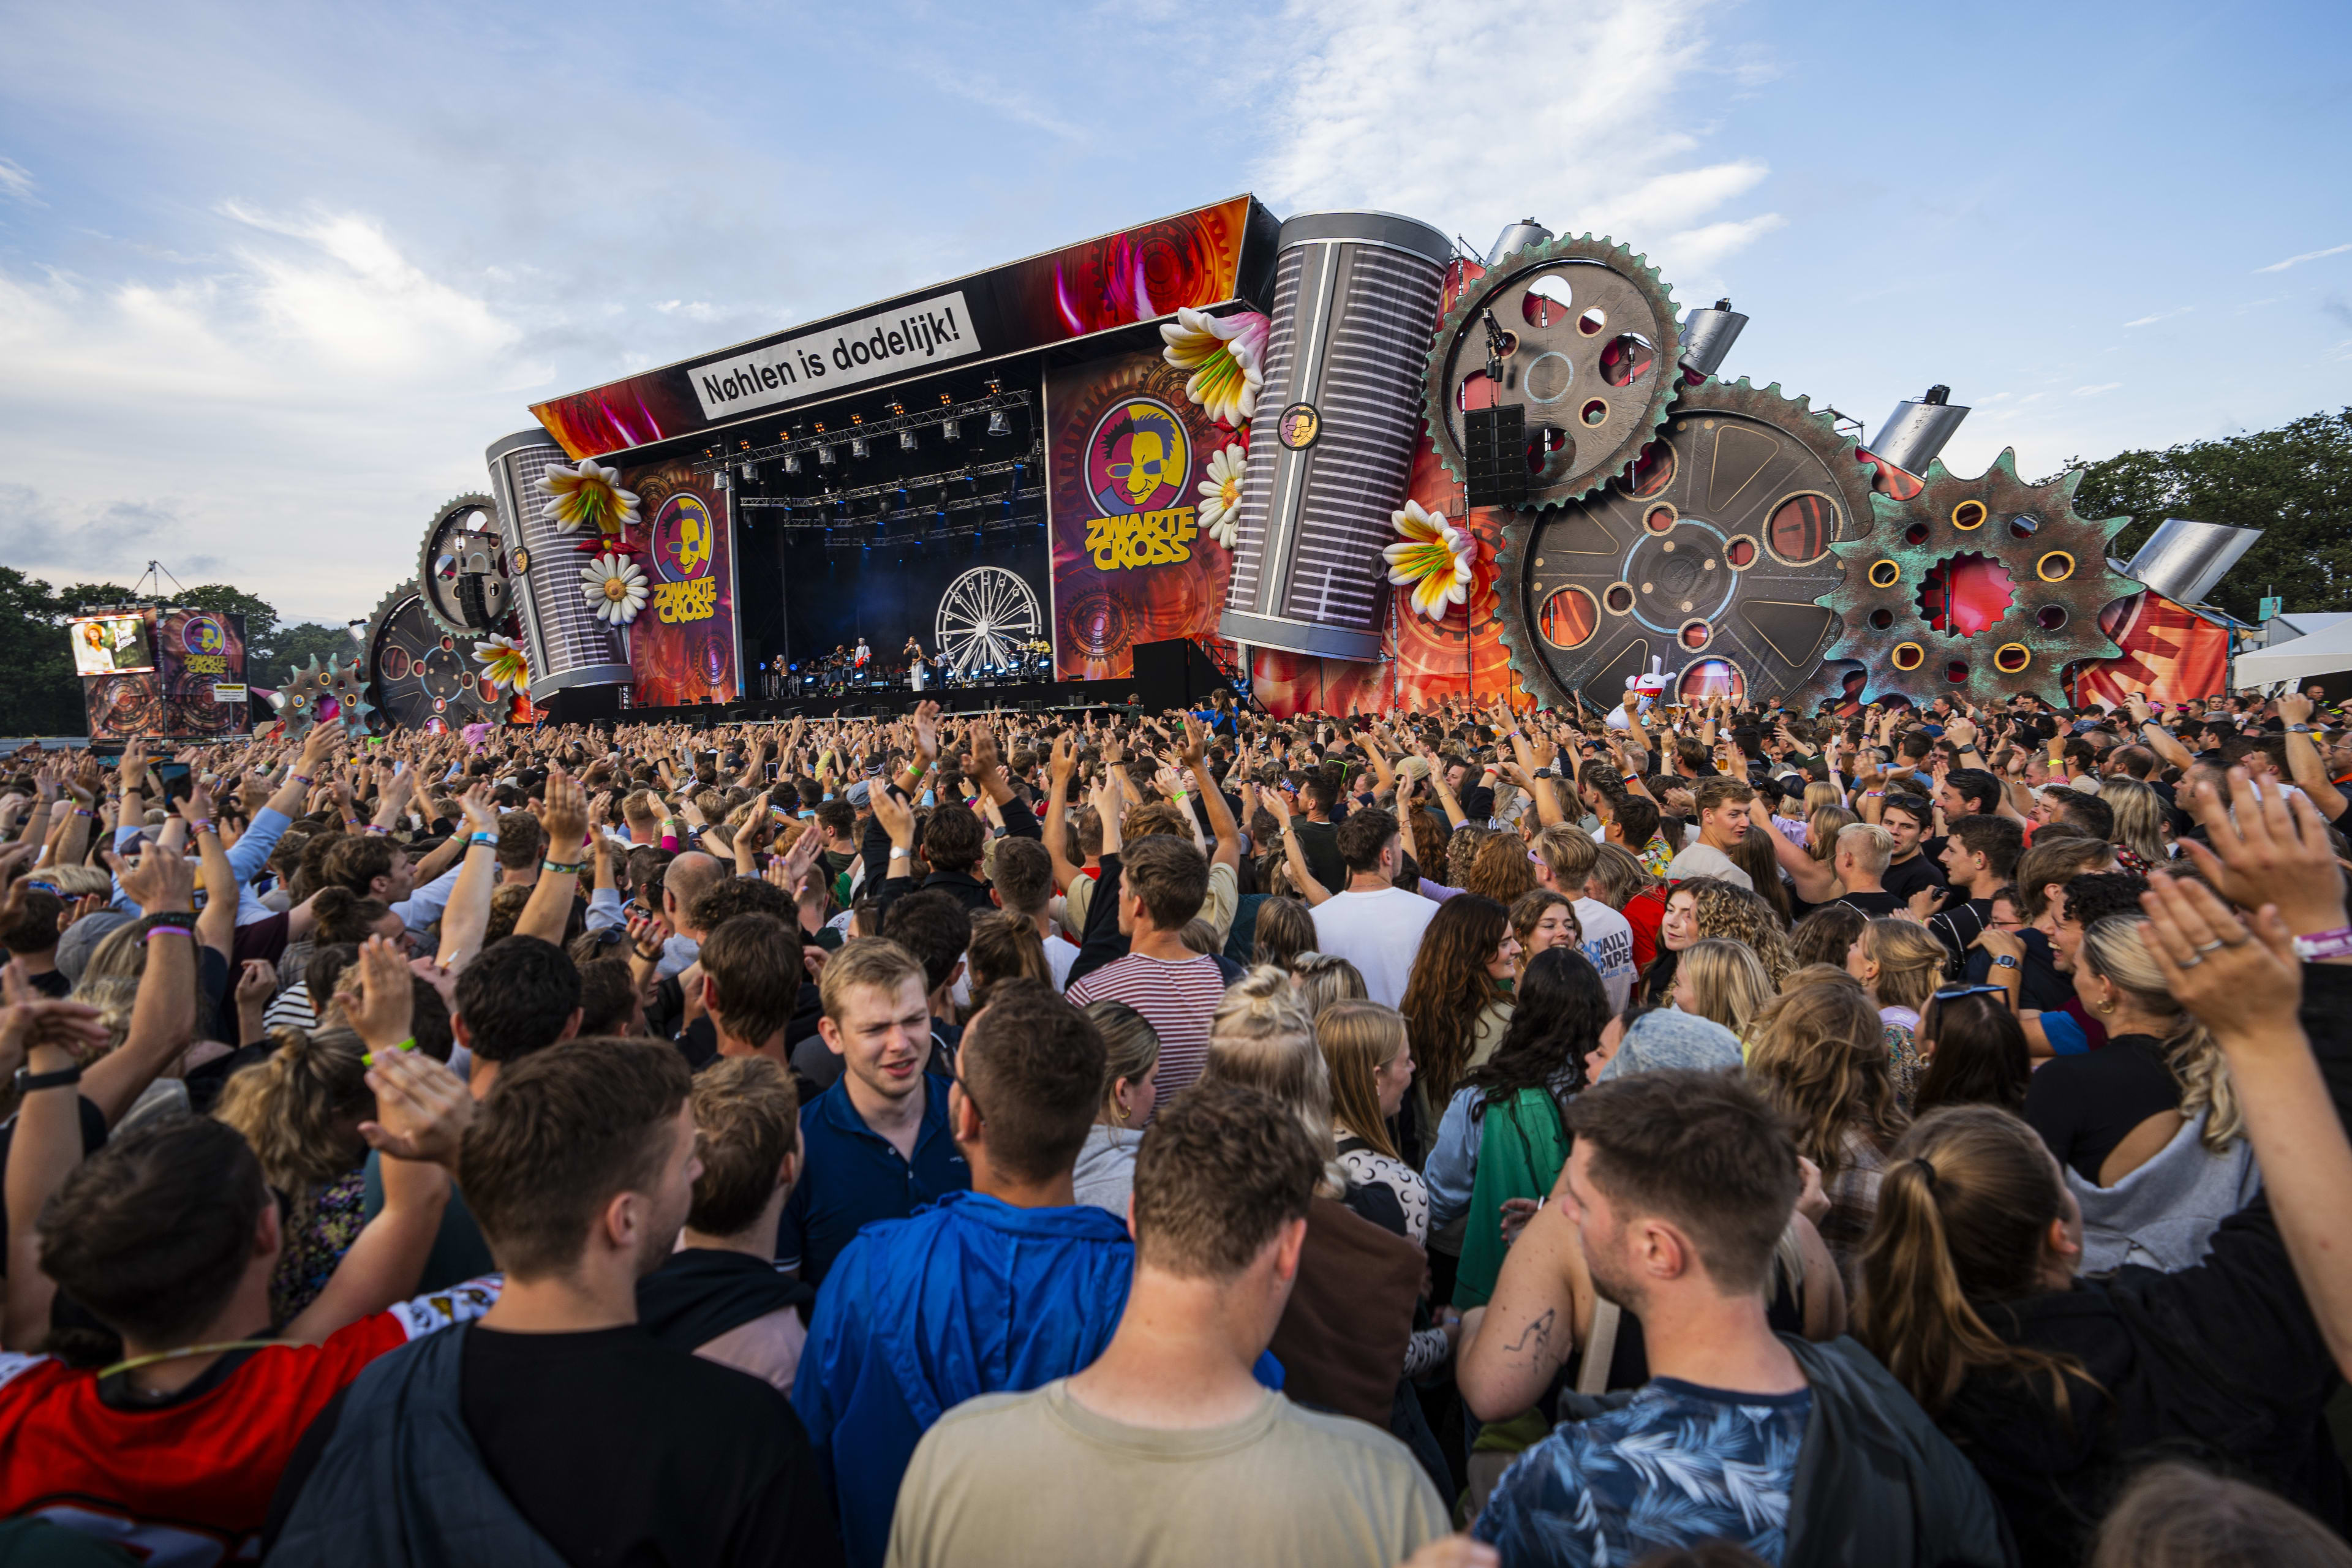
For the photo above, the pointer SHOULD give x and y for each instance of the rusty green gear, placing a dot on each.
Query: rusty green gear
(342, 677)
(2059, 580)
(1555, 369)
(1714, 548)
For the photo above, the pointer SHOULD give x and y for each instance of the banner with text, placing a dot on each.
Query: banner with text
(915, 337)
(682, 646)
(1126, 455)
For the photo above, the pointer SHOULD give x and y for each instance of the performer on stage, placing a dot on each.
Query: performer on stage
(863, 652)
(915, 662)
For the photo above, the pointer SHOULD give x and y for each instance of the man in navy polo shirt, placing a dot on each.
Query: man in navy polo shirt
(877, 1144)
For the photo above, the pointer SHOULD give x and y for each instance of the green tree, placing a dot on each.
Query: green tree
(41, 695)
(2294, 482)
(294, 647)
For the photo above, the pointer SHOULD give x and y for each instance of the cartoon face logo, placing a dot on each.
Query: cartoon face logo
(202, 633)
(1298, 426)
(684, 539)
(1138, 457)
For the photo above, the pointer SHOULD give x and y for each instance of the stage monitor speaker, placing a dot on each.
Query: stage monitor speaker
(1495, 445)
(1175, 673)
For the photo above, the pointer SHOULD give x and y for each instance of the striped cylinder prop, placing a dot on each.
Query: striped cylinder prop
(568, 644)
(1356, 298)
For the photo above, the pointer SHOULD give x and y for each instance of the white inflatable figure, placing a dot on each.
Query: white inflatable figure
(1645, 690)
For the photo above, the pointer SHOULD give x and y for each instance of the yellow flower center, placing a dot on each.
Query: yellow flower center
(616, 588)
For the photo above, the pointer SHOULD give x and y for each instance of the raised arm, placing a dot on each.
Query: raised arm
(216, 927)
(565, 819)
(1212, 799)
(1064, 763)
(466, 919)
(164, 1013)
(2304, 761)
(1312, 891)
(48, 1039)
(2159, 738)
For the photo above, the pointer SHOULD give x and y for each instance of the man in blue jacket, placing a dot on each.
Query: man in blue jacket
(1000, 1289)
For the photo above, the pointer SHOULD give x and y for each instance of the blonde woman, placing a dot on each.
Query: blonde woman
(1324, 978)
(2109, 1111)
(1364, 1046)
(301, 1111)
(1106, 1171)
(1347, 1330)
(1721, 980)
(1820, 1057)
(1899, 963)
(2142, 825)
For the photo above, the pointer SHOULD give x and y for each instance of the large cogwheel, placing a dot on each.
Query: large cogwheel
(1589, 347)
(1707, 554)
(1976, 589)
(462, 568)
(333, 687)
(417, 671)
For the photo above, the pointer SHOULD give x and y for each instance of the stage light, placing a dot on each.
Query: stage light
(952, 429)
(998, 423)
(824, 457)
(907, 442)
(857, 448)
(792, 462)
(721, 480)
(751, 473)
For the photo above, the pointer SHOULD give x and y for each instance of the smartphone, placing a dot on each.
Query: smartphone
(176, 782)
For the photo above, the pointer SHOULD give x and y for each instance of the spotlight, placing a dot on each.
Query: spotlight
(857, 448)
(752, 472)
(792, 462)
(824, 457)
(720, 481)
(998, 423)
(952, 429)
(907, 442)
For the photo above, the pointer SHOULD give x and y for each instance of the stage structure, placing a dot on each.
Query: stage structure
(164, 671)
(1351, 467)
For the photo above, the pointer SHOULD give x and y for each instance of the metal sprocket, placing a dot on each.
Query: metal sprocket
(1594, 371)
(418, 670)
(466, 603)
(1708, 554)
(2057, 578)
(342, 680)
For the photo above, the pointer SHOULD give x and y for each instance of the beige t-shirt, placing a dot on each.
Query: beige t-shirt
(1039, 1478)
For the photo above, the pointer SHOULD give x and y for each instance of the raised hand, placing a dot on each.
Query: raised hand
(421, 1107)
(2273, 849)
(375, 995)
(162, 883)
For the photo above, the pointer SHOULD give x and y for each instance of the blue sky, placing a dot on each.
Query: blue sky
(271, 278)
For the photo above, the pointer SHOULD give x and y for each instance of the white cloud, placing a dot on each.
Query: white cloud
(17, 183)
(2161, 316)
(2306, 256)
(1358, 118)
(2095, 391)
(289, 415)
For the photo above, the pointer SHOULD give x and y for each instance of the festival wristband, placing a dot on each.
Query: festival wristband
(483, 838)
(2323, 945)
(367, 1058)
(154, 931)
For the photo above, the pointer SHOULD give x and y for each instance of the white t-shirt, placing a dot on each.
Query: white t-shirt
(1608, 942)
(1059, 955)
(1380, 933)
(1703, 859)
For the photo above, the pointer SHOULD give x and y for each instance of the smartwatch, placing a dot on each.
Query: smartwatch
(2004, 960)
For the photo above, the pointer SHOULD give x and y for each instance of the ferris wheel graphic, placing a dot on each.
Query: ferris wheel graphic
(987, 619)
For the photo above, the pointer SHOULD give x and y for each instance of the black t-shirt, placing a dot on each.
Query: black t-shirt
(53, 984)
(2040, 986)
(2085, 1106)
(1319, 845)
(1904, 878)
(623, 1453)
(1877, 906)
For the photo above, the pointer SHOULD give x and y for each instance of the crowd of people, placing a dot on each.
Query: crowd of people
(1720, 1135)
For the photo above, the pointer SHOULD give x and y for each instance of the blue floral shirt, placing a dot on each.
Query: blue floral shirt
(1678, 1465)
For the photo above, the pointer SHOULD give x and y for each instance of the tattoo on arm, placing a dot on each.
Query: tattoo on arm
(1536, 1335)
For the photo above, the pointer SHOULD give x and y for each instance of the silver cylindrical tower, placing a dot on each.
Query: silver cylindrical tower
(1356, 298)
(567, 643)
(1917, 430)
(1708, 334)
(1516, 236)
(2182, 560)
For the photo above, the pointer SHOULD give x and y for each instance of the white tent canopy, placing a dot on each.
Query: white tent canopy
(2323, 652)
